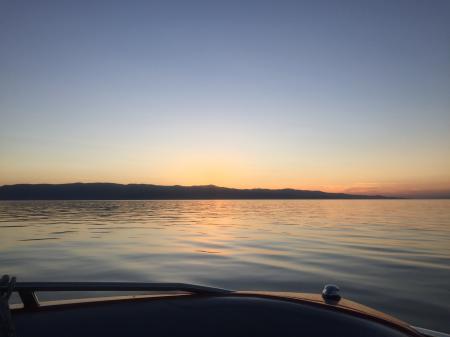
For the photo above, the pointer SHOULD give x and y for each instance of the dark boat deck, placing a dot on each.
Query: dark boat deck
(196, 315)
(178, 309)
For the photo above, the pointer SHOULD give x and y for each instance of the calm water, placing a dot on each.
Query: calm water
(392, 255)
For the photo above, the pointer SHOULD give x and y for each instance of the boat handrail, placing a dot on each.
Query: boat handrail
(117, 286)
(26, 290)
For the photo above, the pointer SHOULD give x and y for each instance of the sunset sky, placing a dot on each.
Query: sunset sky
(348, 96)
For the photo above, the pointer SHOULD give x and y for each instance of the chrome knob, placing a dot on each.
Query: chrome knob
(331, 292)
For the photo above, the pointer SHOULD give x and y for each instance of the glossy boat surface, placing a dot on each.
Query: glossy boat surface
(177, 309)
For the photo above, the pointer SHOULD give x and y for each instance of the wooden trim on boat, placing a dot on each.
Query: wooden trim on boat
(342, 305)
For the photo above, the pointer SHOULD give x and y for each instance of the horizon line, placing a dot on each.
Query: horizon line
(424, 194)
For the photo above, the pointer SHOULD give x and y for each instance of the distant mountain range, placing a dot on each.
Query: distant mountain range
(110, 191)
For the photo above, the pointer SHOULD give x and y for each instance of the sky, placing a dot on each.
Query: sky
(340, 96)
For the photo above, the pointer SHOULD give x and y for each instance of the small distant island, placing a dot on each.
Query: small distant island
(111, 191)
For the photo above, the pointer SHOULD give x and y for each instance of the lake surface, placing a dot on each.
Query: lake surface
(393, 255)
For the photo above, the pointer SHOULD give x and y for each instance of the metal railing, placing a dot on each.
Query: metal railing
(27, 290)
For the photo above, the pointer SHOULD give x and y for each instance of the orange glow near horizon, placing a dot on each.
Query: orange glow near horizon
(229, 165)
(227, 174)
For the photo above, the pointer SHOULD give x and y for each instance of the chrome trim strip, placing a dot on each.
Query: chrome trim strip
(430, 333)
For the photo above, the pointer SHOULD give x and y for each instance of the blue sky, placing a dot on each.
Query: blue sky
(332, 95)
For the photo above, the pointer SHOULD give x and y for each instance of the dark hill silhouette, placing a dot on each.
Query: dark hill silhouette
(109, 191)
